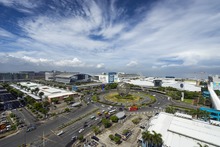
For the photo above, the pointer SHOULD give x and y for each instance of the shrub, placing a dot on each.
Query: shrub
(111, 137)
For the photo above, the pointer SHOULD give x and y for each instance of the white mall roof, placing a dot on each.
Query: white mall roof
(181, 132)
(148, 82)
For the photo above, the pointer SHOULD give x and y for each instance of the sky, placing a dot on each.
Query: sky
(148, 37)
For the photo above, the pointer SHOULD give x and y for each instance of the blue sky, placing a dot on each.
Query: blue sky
(152, 37)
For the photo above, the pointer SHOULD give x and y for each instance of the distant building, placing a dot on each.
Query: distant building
(180, 130)
(157, 83)
(69, 78)
(13, 77)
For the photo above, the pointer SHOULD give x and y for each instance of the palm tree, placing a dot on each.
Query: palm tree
(147, 136)
(36, 90)
(41, 94)
(157, 139)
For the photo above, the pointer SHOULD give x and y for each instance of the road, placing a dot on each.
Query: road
(50, 126)
(29, 137)
(69, 132)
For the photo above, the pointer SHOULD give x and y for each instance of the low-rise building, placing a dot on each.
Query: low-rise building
(69, 78)
(180, 130)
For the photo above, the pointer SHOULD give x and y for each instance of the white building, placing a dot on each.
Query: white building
(49, 92)
(181, 130)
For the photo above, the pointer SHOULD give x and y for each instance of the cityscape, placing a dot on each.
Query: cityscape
(109, 73)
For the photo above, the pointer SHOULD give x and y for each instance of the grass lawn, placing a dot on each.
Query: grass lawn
(188, 101)
(112, 97)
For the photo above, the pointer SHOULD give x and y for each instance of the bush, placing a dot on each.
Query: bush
(106, 123)
(81, 138)
(12, 115)
(114, 119)
(117, 139)
(136, 120)
(13, 127)
(67, 110)
(111, 137)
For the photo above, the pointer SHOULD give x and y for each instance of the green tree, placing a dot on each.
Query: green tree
(111, 137)
(55, 100)
(67, 110)
(157, 139)
(106, 123)
(41, 94)
(81, 138)
(96, 130)
(147, 137)
(114, 119)
(170, 110)
(117, 139)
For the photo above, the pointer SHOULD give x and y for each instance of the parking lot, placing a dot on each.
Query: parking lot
(8, 101)
(118, 128)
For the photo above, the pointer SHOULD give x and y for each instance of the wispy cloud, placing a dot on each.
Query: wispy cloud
(107, 34)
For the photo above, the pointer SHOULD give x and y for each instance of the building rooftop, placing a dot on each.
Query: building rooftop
(66, 75)
(182, 132)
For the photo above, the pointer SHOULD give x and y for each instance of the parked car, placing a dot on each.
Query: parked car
(95, 138)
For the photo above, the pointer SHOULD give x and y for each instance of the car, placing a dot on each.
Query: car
(81, 130)
(92, 117)
(60, 133)
(31, 128)
(96, 118)
(95, 138)
(103, 105)
(74, 138)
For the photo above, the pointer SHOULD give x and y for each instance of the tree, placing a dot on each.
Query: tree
(96, 130)
(170, 110)
(41, 94)
(68, 99)
(36, 90)
(117, 139)
(67, 110)
(147, 136)
(114, 119)
(55, 100)
(111, 137)
(106, 123)
(157, 139)
(81, 138)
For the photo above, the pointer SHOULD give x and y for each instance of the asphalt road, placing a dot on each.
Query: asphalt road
(69, 132)
(50, 126)
(46, 128)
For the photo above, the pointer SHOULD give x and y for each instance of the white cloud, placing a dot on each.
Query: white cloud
(132, 64)
(75, 62)
(186, 31)
(4, 33)
(100, 65)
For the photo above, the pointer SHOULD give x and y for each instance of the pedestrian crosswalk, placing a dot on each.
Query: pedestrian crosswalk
(152, 112)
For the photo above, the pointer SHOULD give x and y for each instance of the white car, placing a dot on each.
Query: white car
(60, 133)
(81, 130)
